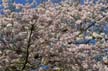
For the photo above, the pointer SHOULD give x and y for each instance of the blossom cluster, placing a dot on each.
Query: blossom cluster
(64, 38)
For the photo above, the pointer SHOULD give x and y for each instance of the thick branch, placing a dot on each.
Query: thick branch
(28, 46)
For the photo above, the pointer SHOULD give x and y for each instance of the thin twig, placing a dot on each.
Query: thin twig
(5, 43)
(89, 26)
(82, 31)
